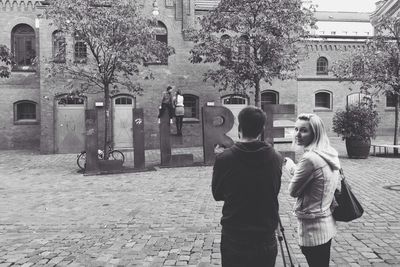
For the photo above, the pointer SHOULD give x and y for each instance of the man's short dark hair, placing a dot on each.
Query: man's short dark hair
(251, 121)
(169, 87)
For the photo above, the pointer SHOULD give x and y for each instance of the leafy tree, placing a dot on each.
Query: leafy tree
(120, 40)
(5, 61)
(376, 68)
(251, 40)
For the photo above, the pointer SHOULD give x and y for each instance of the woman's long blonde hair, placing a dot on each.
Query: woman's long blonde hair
(320, 140)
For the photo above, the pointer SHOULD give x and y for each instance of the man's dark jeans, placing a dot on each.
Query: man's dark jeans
(246, 253)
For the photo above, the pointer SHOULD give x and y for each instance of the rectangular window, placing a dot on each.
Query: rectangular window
(390, 101)
(323, 100)
(80, 52)
(25, 112)
(191, 106)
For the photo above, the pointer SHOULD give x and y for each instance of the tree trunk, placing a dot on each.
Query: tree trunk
(396, 123)
(106, 120)
(257, 93)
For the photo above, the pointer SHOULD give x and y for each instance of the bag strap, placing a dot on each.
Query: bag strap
(342, 173)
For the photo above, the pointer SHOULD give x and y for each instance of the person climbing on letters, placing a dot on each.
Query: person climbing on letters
(179, 112)
(167, 104)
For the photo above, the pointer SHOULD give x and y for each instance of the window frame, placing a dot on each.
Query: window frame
(194, 110)
(78, 58)
(25, 121)
(69, 100)
(243, 47)
(239, 96)
(360, 97)
(22, 38)
(162, 37)
(321, 108)
(322, 66)
(226, 44)
(275, 93)
(124, 96)
(59, 46)
(387, 97)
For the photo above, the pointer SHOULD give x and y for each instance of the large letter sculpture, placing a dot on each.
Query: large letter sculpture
(278, 112)
(167, 159)
(92, 164)
(217, 121)
(165, 139)
(138, 138)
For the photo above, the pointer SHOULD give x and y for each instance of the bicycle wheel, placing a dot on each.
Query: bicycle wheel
(118, 155)
(81, 160)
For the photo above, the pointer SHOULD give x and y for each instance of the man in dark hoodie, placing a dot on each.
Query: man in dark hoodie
(247, 177)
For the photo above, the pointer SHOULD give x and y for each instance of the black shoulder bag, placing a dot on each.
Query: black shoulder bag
(349, 208)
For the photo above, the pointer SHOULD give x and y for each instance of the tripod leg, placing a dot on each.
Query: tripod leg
(284, 239)
(280, 244)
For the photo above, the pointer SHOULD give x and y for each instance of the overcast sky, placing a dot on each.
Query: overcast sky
(345, 5)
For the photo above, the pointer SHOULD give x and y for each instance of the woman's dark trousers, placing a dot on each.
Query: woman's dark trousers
(318, 256)
(179, 124)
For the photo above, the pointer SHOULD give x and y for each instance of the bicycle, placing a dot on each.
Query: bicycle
(112, 154)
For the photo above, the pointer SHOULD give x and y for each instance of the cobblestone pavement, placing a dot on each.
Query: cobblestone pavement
(50, 215)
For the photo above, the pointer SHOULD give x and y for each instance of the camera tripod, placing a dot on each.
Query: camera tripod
(280, 232)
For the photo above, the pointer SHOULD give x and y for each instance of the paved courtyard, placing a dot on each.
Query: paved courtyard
(50, 215)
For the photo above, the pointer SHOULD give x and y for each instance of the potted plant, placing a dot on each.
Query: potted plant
(357, 125)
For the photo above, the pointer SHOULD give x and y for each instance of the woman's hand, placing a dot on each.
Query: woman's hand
(289, 165)
(218, 149)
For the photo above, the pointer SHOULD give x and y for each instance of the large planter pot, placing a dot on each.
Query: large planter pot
(358, 148)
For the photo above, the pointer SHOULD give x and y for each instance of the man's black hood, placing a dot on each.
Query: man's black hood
(249, 152)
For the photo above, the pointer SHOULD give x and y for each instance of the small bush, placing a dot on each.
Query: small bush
(359, 121)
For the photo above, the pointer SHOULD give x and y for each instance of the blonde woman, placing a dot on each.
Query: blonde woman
(313, 183)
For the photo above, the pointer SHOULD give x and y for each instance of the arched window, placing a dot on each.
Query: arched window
(191, 103)
(80, 50)
(243, 47)
(234, 100)
(323, 100)
(322, 66)
(58, 38)
(71, 100)
(269, 97)
(357, 67)
(25, 111)
(357, 98)
(23, 46)
(123, 100)
(227, 50)
(162, 36)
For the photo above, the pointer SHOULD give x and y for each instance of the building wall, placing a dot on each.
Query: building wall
(179, 72)
(309, 83)
(20, 86)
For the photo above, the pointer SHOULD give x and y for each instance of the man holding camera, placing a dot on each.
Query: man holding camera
(247, 177)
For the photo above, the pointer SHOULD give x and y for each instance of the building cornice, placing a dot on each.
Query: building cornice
(342, 16)
(22, 5)
(388, 8)
(316, 78)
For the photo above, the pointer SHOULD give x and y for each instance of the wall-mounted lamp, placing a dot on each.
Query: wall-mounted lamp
(156, 11)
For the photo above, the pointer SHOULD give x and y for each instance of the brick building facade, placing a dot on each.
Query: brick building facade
(34, 113)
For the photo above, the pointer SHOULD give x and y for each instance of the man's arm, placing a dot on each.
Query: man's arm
(217, 181)
(279, 162)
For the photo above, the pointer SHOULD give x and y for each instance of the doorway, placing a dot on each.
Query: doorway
(122, 121)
